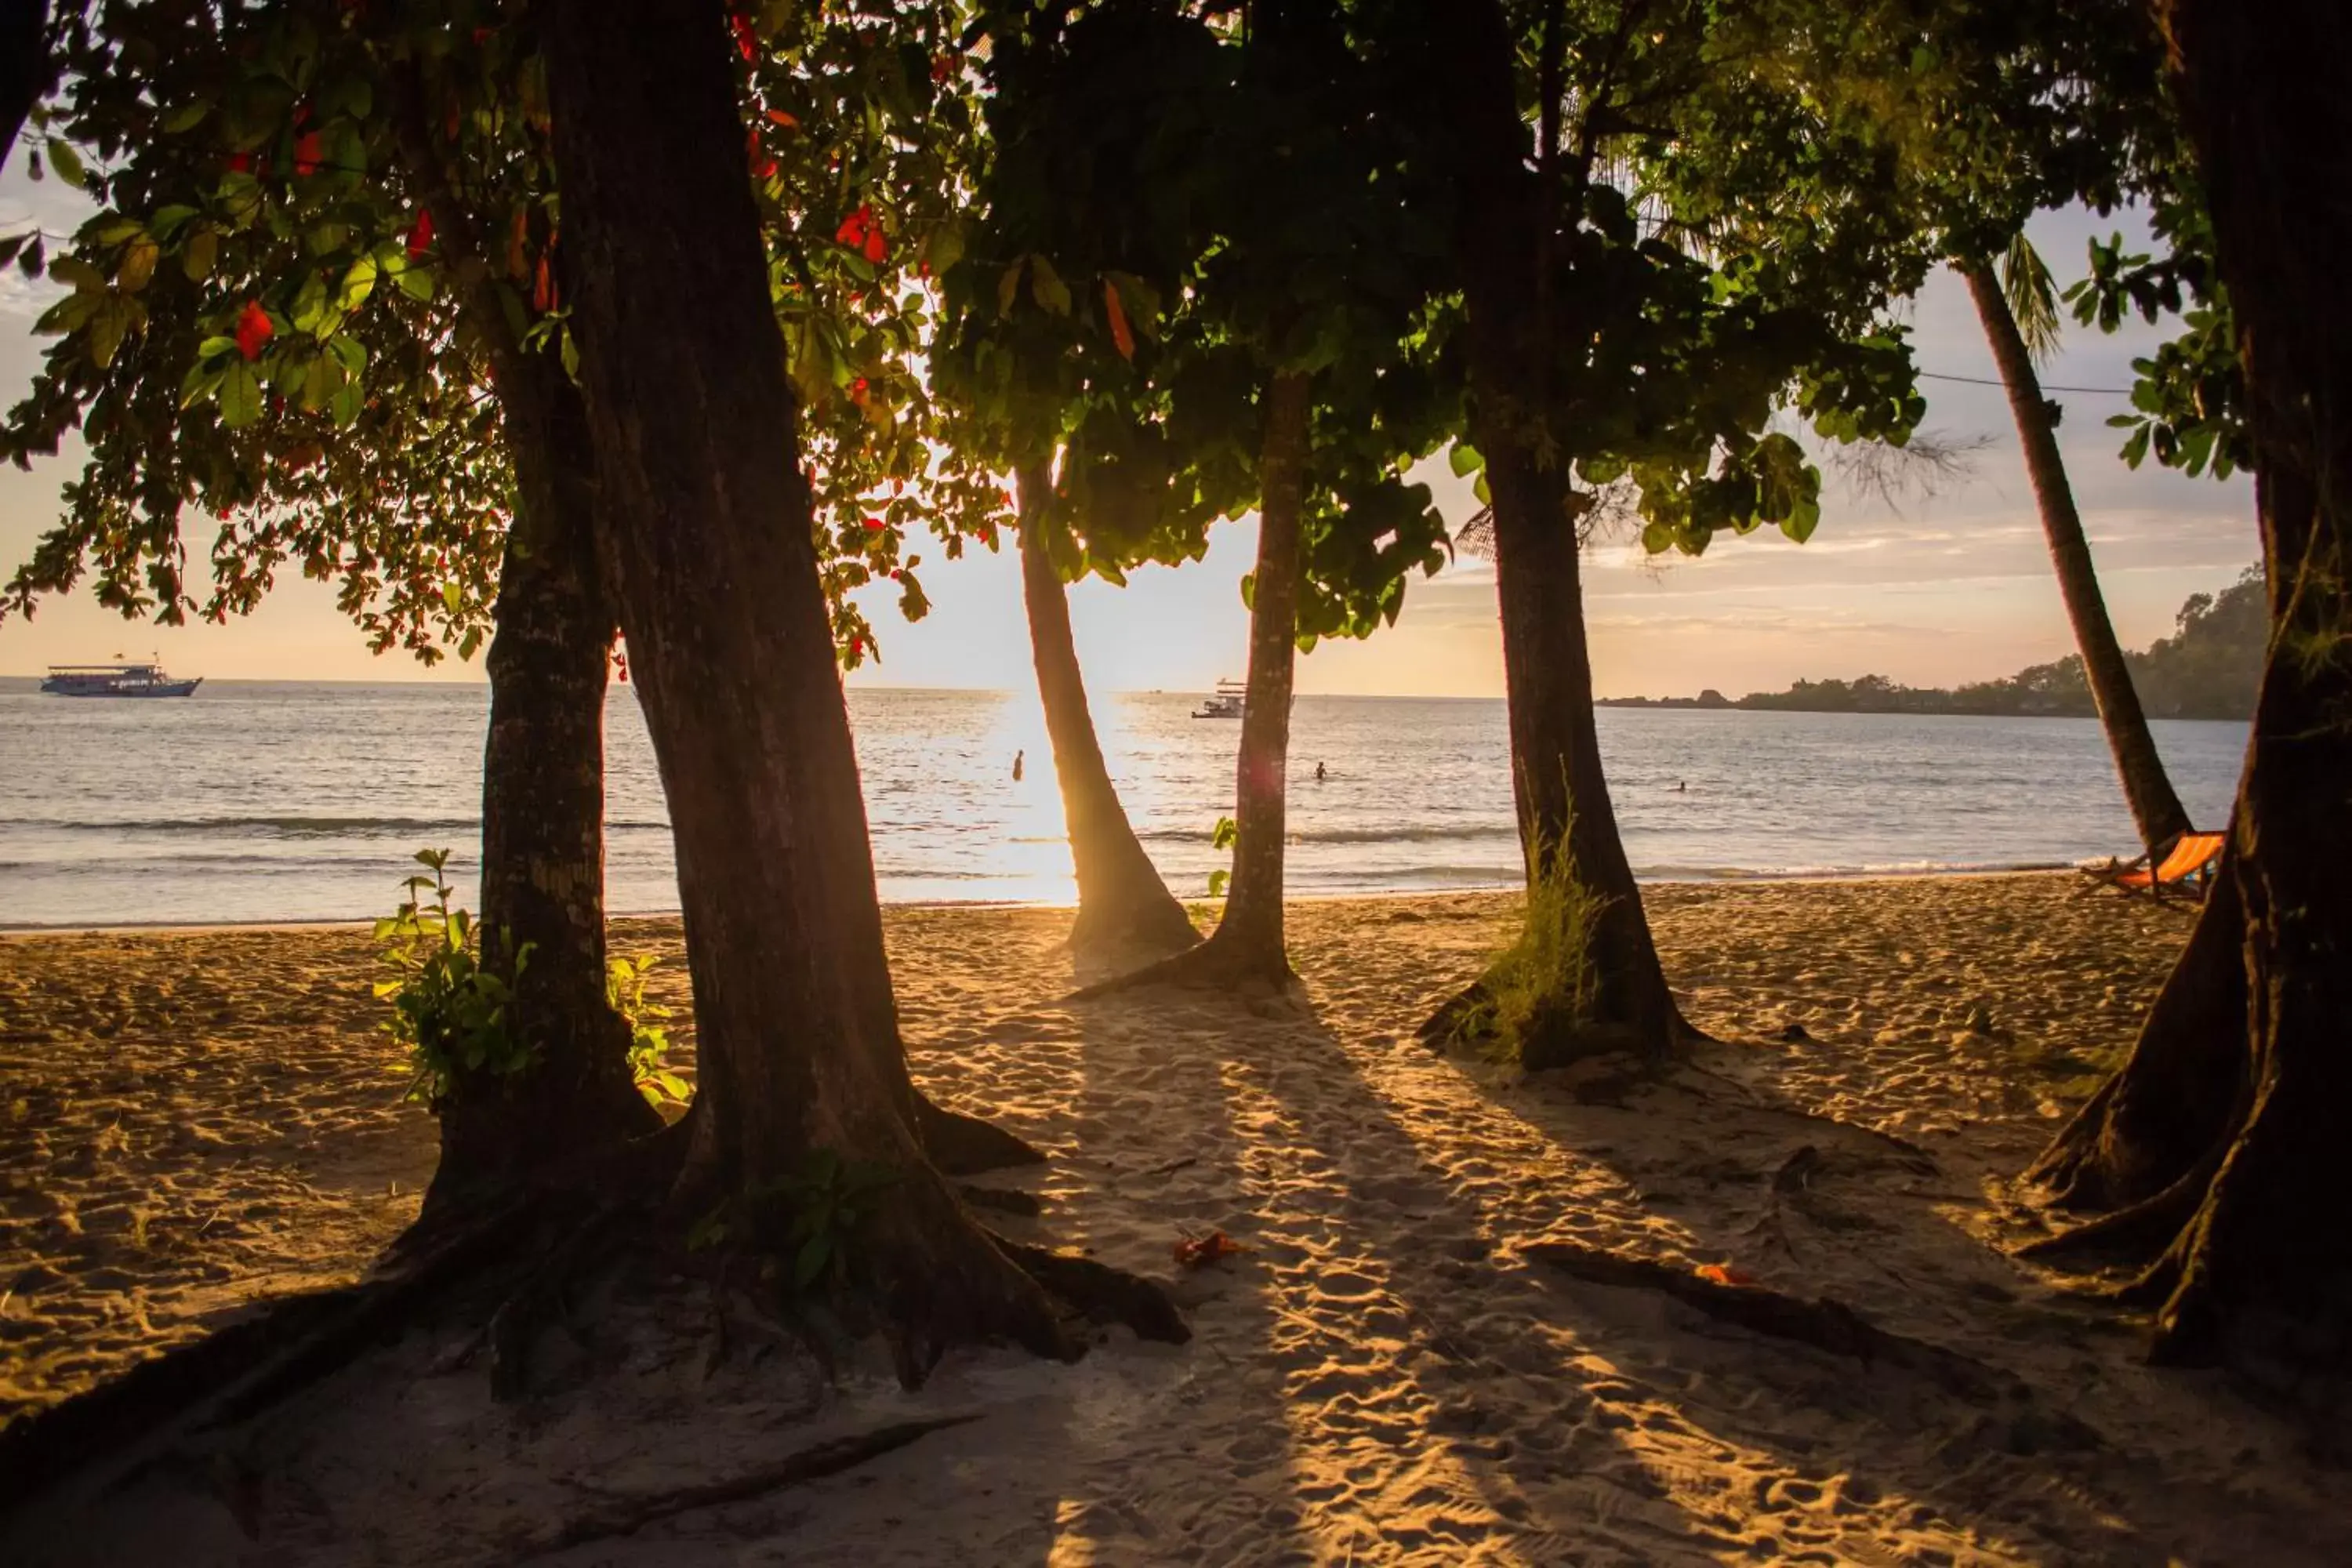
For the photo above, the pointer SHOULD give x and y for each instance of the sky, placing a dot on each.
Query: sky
(1930, 590)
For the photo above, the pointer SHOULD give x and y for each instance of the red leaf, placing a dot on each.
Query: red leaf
(240, 162)
(1120, 335)
(542, 288)
(857, 392)
(942, 67)
(783, 118)
(878, 249)
(854, 227)
(420, 238)
(1725, 1274)
(306, 152)
(747, 41)
(253, 329)
(875, 525)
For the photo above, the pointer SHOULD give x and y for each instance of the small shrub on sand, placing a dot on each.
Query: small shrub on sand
(1544, 985)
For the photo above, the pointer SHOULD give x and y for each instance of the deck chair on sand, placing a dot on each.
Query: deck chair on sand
(2187, 867)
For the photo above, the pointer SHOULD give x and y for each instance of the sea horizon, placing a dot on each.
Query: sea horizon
(270, 803)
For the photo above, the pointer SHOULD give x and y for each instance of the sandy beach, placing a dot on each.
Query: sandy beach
(196, 1120)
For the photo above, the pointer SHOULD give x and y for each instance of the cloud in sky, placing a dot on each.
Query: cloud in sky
(1930, 590)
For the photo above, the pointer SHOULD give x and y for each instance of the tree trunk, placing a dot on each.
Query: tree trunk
(1123, 904)
(544, 819)
(2159, 1115)
(1249, 937)
(2155, 807)
(542, 897)
(708, 519)
(2261, 1273)
(1567, 828)
(24, 65)
(1248, 946)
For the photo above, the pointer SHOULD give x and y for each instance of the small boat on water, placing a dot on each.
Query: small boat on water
(1227, 701)
(115, 680)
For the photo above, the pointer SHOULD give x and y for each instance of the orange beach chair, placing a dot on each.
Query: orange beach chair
(2188, 866)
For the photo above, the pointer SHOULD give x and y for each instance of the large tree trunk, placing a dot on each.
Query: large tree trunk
(708, 519)
(542, 903)
(542, 899)
(24, 65)
(2155, 807)
(1567, 828)
(2259, 1274)
(1123, 904)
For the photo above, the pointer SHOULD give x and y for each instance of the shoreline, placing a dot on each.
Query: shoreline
(1725, 879)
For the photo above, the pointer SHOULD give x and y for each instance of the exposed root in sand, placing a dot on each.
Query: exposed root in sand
(619, 1516)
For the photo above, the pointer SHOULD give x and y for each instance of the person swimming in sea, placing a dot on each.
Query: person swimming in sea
(1017, 758)
(1681, 787)
(1319, 772)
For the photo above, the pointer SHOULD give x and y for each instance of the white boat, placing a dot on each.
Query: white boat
(1225, 702)
(115, 680)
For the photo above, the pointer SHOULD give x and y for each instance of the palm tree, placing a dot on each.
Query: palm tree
(2019, 312)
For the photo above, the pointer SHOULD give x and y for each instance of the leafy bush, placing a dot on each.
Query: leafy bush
(1544, 984)
(446, 1009)
(625, 988)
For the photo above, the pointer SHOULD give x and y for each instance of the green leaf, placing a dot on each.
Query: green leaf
(1046, 286)
(73, 270)
(321, 378)
(359, 282)
(197, 256)
(1226, 835)
(170, 220)
(1007, 287)
(1465, 458)
(453, 597)
(240, 396)
(187, 116)
(138, 264)
(66, 161)
(1217, 881)
(417, 282)
(202, 381)
(68, 315)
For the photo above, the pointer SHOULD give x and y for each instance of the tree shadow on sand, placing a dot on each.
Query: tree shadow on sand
(1726, 1163)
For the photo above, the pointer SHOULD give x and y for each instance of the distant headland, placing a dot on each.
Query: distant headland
(2206, 669)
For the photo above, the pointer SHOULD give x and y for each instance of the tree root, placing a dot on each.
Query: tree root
(2136, 1232)
(1825, 1324)
(1451, 1023)
(626, 1515)
(518, 1318)
(962, 1145)
(1211, 965)
(1102, 1294)
(1001, 1200)
(1153, 923)
(238, 1371)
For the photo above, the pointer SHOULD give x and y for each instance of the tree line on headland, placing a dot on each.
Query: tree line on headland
(2208, 668)
(532, 325)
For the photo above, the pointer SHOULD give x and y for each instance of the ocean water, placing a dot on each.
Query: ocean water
(283, 801)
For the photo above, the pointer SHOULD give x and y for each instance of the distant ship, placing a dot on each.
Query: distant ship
(116, 680)
(1226, 702)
